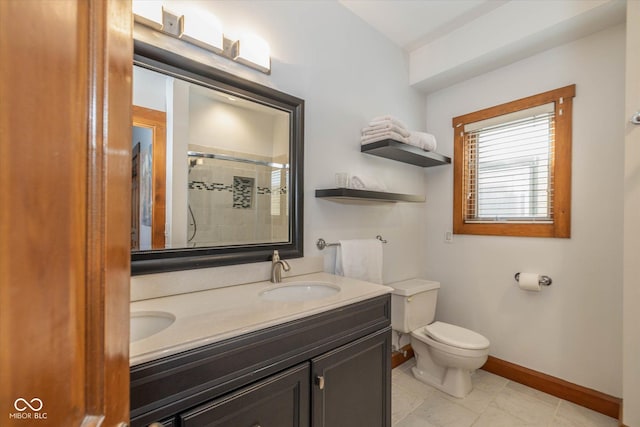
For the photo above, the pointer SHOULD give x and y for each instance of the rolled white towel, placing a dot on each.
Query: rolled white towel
(424, 140)
(367, 139)
(386, 119)
(372, 130)
(360, 182)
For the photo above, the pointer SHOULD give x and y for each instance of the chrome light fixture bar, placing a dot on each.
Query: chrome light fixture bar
(204, 30)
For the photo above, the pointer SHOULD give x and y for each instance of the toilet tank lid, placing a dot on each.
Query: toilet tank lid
(406, 288)
(456, 336)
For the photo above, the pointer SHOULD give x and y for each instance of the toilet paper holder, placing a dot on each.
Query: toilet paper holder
(544, 280)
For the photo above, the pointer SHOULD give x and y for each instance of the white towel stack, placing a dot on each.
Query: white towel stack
(388, 127)
(424, 140)
(384, 127)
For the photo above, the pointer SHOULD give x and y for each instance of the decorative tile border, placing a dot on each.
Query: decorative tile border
(216, 186)
(268, 190)
(213, 186)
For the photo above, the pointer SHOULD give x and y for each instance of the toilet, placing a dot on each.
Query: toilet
(446, 355)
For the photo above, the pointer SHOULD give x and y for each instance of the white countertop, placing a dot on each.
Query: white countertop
(210, 316)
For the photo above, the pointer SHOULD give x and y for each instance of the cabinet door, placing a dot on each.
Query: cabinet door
(279, 401)
(352, 384)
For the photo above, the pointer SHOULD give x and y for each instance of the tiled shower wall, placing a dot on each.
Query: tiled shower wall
(236, 203)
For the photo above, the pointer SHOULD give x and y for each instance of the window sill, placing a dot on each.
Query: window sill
(513, 230)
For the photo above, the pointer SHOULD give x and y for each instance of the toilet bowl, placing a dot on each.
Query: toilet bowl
(446, 354)
(445, 366)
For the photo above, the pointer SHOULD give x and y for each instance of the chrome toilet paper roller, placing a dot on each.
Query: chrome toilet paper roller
(532, 281)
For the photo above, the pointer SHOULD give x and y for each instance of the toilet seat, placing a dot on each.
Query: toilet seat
(421, 335)
(456, 336)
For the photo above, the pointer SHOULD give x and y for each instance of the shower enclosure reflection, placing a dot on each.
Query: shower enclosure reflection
(236, 200)
(227, 167)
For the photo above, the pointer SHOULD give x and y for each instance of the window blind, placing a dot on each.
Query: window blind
(508, 167)
(276, 176)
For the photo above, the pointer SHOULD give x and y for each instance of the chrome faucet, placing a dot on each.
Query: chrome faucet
(277, 265)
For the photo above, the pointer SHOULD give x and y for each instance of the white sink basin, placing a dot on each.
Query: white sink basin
(300, 291)
(146, 323)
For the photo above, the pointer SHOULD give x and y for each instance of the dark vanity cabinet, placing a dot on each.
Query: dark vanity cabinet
(280, 400)
(351, 384)
(331, 369)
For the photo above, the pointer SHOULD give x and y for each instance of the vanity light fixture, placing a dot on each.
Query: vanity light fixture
(253, 51)
(172, 22)
(204, 30)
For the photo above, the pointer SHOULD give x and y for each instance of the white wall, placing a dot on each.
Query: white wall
(145, 89)
(572, 329)
(347, 73)
(233, 128)
(178, 133)
(631, 347)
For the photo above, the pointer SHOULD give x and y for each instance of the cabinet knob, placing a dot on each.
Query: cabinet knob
(256, 425)
(320, 382)
(155, 425)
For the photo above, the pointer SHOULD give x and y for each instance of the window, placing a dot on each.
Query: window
(512, 168)
(279, 180)
(275, 191)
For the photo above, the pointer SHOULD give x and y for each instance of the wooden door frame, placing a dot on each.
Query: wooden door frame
(108, 209)
(64, 211)
(156, 121)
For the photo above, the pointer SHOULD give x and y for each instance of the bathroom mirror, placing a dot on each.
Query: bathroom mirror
(217, 166)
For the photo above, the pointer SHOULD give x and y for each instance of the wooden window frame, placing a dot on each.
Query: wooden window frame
(560, 168)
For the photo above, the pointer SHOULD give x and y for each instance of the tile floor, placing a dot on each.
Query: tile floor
(493, 402)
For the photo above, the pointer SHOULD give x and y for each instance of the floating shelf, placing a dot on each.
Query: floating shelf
(390, 149)
(351, 195)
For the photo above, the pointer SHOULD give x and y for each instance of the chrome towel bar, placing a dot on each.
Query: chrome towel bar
(321, 243)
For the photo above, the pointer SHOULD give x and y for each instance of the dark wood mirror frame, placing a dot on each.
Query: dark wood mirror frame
(156, 261)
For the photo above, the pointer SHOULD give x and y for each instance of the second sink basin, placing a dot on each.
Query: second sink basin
(300, 291)
(146, 323)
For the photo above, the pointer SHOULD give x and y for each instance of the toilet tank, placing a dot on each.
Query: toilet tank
(413, 304)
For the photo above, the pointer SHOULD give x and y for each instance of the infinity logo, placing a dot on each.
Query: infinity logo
(21, 404)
